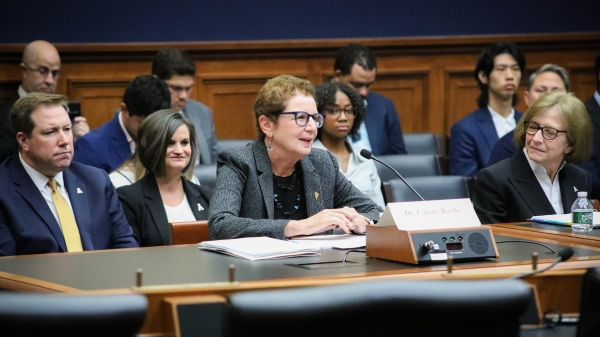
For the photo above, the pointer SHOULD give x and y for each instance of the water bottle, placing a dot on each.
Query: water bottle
(582, 213)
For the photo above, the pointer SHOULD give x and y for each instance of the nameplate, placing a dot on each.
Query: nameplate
(435, 214)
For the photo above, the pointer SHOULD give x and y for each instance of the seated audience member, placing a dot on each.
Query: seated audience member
(110, 145)
(177, 69)
(166, 148)
(498, 73)
(550, 77)
(540, 178)
(593, 105)
(381, 133)
(40, 66)
(48, 203)
(344, 112)
(279, 186)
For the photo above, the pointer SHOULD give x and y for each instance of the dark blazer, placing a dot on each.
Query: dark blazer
(145, 211)
(383, 126)
(506, 148)
(27, 225)
(471, 141)
(509, 191)
(8, 140)
(105, 147)
(242, 202)
(594, 111)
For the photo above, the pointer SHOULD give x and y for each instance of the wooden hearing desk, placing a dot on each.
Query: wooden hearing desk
(180, 272)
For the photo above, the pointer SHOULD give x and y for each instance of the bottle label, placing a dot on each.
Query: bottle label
(586, 217)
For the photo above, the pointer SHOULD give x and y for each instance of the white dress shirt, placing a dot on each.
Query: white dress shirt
(503, 125)
(551, 188)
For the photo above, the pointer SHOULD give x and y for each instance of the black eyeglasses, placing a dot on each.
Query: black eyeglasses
(336, 112)
(44, 71)
(302, 118)
(547, 132)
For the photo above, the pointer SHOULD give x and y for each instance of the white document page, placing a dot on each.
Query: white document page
(341, 241)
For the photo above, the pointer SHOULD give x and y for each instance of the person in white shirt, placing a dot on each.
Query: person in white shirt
(344, 112)
(166, 148)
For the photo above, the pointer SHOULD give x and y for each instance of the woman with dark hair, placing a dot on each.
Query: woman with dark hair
(279, 186)
(166, 148)
(344, 111)
(540, 179)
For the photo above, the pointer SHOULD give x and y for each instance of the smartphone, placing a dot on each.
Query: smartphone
(74, 110)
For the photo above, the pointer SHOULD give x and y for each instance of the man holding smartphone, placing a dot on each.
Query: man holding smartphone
(41, 68)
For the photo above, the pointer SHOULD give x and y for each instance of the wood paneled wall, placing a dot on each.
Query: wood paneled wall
(429, 79)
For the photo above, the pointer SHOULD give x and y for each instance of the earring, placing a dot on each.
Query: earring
(269, 146)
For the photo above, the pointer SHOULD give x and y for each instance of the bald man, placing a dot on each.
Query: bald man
(41, 68)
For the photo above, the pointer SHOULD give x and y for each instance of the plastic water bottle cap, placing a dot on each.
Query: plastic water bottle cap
(582, 194)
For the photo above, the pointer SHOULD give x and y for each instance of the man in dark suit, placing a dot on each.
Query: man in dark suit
(381, 133)
(593, 106)
(110, 145)
(498, 73)
(49, 204)
(41, 68)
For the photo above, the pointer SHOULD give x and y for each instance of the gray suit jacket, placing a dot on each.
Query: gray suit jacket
(508, 191)
(242, 202)
(201, 116)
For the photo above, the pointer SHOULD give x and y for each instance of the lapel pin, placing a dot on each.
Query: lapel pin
(79, 191)
(200, 208)
(316, 195)
(575, 189)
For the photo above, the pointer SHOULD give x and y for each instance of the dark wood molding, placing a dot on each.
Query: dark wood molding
(309, 48)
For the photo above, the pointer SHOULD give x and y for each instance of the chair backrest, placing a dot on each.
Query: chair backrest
(430, 188)
(389, 308)
(589, 313)
(425, 143)
(207, 175)
(226, 144)
(184, 233)
(411, 165)
(24, 314)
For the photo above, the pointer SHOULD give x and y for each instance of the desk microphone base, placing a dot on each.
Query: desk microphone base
(431, 246)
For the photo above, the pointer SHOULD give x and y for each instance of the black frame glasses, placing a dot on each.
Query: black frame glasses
(44, 71)
(547, 132)
(335, 113)
(305, 117)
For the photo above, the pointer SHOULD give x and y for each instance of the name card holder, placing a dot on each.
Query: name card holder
(419, 233)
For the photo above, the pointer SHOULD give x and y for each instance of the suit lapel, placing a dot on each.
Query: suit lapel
(570, 187)
(197, 203)
(527, 185)
(265, 176)
(313, 194)
(119, 142)
(593, 110)
(155, 206)
(486, 127)
(76, 190)
(27, 189)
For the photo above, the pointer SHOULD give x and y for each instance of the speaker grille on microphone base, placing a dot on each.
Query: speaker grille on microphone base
(478, 243)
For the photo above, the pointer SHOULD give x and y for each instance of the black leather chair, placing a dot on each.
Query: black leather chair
(430, 188)
(227, 144)
(589, 314)
(425, 143)
(207, 175)
(389, 308)
(24, 314)
(412, 165)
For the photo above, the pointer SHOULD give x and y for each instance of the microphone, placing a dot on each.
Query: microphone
(367, 154)
(563, 255)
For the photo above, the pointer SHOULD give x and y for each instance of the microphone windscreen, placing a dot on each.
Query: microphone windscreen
(366, 153)
(566, 254)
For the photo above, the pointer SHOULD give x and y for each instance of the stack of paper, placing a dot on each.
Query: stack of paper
(563, 219)
(260, 248)
(338, 241)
